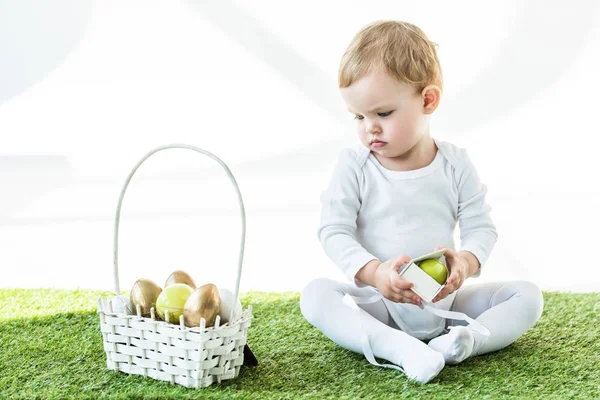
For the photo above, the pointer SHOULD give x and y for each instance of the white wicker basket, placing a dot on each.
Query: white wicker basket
(192, 357)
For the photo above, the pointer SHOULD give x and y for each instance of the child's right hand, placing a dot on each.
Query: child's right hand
(391, 285)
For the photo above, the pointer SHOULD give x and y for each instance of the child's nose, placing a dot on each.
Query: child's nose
(372, 127)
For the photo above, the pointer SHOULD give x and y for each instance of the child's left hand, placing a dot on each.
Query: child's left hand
(458, 273)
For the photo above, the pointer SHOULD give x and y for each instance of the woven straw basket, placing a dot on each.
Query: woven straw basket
(192, 357)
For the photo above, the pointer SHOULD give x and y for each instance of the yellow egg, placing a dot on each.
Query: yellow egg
(144, 292)
(204, 302)
(180, 277)
(172, 299)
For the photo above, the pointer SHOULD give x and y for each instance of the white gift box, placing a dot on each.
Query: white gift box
(424, 285)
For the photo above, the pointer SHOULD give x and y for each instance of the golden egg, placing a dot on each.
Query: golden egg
(204, 302)
(180, 277)
(144, 292)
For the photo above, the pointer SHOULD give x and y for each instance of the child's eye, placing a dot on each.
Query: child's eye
(359, 117)
(385, 114)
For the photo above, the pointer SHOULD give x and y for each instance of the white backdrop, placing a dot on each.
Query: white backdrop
(87, 88)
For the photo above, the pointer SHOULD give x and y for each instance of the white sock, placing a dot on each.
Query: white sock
(455, 346)
(420, 363)
(423, 367)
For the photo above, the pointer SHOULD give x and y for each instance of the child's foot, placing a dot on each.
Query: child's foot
(455, 346)
(423, 367)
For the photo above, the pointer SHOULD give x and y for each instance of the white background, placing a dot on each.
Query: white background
(87, 88)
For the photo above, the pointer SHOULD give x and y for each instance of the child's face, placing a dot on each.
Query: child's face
(390, 115)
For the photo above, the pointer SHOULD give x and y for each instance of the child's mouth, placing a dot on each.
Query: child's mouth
(377, 144)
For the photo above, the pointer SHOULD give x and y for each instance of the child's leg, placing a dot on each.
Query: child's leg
(507, 309)
(321, 304)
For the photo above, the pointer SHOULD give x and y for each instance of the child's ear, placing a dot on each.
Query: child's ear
(431, 98)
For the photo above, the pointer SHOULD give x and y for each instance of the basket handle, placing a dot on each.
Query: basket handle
(239, 196)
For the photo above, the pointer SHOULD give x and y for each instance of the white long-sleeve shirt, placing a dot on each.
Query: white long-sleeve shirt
(369, 212)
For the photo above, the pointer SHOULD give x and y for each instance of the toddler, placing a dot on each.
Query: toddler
(398, 195)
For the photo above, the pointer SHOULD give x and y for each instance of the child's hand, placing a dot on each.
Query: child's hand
(458, 273)
(391, 285)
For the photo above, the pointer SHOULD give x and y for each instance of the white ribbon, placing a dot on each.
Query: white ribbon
(473, 324)
(353, 301)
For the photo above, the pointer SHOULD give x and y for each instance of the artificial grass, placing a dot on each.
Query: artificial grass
(51, 347)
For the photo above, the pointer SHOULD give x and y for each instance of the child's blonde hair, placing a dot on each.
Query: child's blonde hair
(399, 48)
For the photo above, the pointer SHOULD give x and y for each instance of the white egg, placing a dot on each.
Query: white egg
(122, 305)
(227, 298)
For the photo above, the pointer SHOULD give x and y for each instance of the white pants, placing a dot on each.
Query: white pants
(507, 309)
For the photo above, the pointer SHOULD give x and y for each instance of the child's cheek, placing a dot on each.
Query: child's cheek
(364, 137)
(398, 130)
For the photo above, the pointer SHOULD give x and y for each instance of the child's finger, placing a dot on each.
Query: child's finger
(440, 296)
(400, 284)
(399, 262)
(406, 298)
(449, 288)
(452, 278)
(411, 295)
(445, 291)
(450, 253)
(453, 271)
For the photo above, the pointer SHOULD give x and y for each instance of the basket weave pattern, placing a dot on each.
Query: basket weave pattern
(192, 357)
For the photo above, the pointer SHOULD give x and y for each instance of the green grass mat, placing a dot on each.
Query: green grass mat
(51, 347)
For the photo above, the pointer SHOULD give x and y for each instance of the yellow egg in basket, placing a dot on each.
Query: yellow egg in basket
(171, 301)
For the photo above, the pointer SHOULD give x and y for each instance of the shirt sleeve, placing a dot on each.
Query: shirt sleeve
(340, 204)
(477, 231)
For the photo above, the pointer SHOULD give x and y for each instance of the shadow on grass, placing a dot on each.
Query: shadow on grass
(62, 355)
